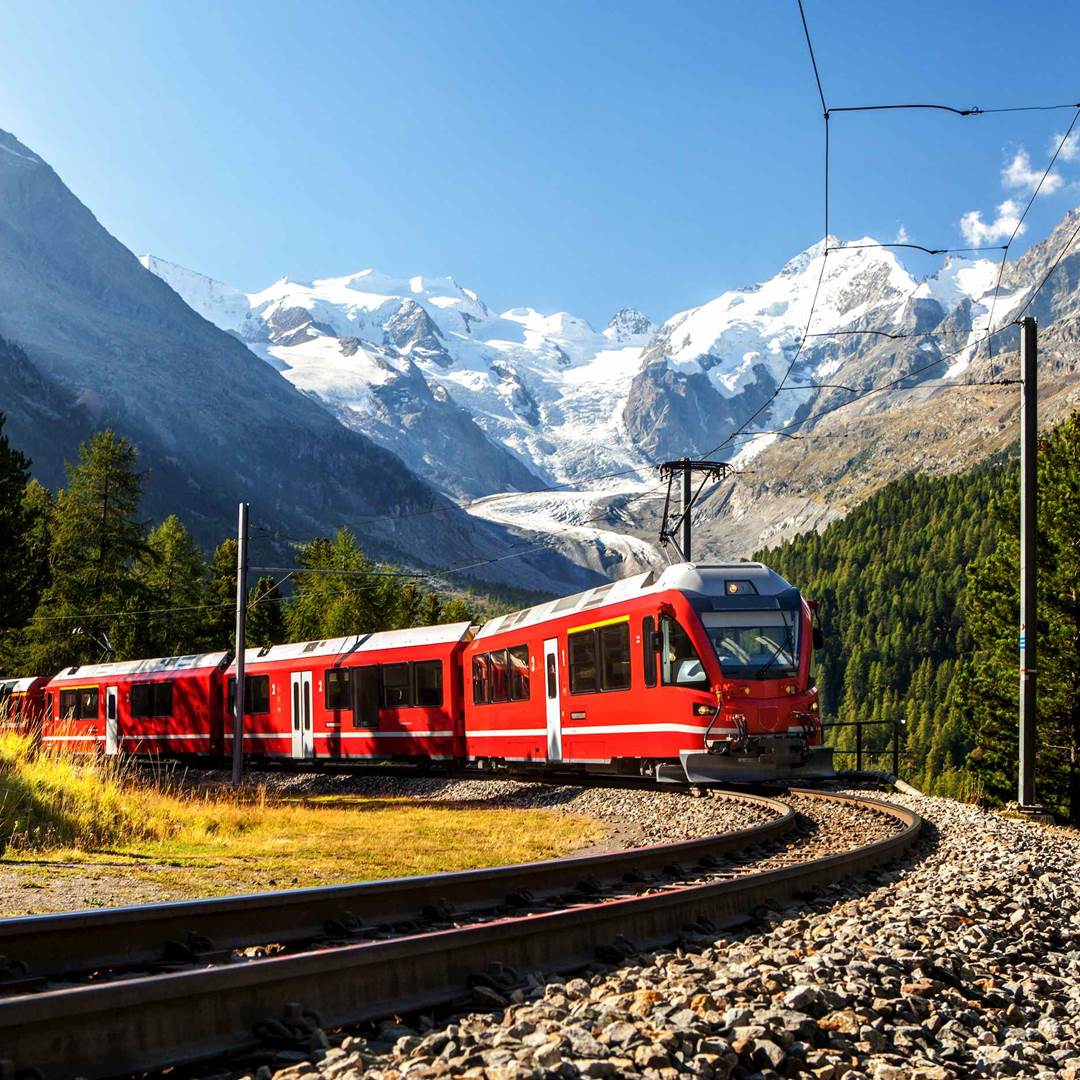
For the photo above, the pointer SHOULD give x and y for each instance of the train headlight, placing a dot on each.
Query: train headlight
(701, 709)
(790, 688)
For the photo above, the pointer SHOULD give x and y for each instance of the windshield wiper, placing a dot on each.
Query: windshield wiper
(763, 670)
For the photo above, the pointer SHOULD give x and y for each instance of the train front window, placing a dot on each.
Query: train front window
(754, 644)
(680, 663)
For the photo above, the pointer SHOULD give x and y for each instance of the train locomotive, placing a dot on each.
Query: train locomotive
(699, 674)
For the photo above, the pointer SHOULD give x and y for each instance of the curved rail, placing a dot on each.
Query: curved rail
(69, 944)
(141, 1023)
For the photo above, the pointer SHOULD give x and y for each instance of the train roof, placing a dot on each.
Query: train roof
(445, 634)
(158, 666)
(19, 686)
(703, 579)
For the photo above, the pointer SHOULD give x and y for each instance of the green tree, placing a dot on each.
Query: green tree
(265, 623)
(173, 580)
(96, 541)
(331, 603)
(17, 600)
(992, 609)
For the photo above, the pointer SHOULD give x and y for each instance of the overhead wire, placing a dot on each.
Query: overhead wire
(1020, 221)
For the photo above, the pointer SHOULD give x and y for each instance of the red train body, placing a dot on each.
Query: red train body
(384, 696)
(22, 705)
(698, 674)
(168, 706)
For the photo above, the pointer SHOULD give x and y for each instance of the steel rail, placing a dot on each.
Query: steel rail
(72, 943)
(137, 1024)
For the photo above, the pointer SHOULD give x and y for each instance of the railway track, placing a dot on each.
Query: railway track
(125, 990)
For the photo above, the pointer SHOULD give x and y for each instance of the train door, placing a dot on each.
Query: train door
(552, 699)
(112, 722)
(303, 741)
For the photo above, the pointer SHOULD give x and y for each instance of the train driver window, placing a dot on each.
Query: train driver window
(680, 663)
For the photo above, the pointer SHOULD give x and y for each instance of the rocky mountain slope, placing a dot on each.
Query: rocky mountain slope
(554, 429)
(371, 388)
(92, 339)
(475, 402)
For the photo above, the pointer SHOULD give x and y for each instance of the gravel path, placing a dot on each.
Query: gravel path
(963, 962)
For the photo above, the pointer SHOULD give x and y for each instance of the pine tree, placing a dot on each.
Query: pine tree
(20, 580)
(37, 506)
(328, 604)
(265, 622)
(991, 689)
(96, 540)
(173, 579)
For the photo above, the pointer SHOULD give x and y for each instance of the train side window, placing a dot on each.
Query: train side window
(518, 664)
(339, 689)
(151, 699)
(110, 706)
(429, 683)
(69, 704)
(480, 682)
(256, 694)
(552, 676)
(681, 665)
(648, 651)
(614, 642)
(79, 704)
(582, 657)
(396, 686)
(498, 675)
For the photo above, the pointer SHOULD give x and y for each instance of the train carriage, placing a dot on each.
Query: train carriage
(166, 706)
(700, 673)
(22, 704)
(394, 694)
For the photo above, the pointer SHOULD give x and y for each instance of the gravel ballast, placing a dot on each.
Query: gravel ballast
(965, 961)
(636, 816)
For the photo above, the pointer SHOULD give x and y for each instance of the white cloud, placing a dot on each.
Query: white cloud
(1019, 174)
(902, 235)
(978, 232)
(1071, 150)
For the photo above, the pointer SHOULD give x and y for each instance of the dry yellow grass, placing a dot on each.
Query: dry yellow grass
(97, 815)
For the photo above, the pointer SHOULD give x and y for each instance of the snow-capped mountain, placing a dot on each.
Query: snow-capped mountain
(477, 402)
(482, 402)
(709, 368)
(498, 409)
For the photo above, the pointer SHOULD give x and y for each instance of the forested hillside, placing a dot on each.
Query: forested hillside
(919, 605)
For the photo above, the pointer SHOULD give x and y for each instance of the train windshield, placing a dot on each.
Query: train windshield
(754, 644)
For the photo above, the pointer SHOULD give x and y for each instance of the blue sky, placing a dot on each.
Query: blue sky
(566, 155)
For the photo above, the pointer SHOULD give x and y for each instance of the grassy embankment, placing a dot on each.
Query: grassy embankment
(83, 818)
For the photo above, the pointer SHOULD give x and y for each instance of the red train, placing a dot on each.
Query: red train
(700, 673)
(22, 704)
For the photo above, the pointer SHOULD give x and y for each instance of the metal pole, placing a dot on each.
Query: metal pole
(896, 749)
(1029, 431)
(686, 497)
(241, 619)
